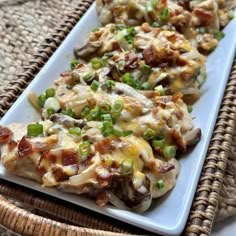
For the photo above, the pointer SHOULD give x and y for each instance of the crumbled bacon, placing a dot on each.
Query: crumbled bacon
(149, 56)
(132, 61)
(24, 148)
(59, 173)
(65, 73)
(11, 145)
(104, 146)
(204, 16)
(69, 157)
(5, 135)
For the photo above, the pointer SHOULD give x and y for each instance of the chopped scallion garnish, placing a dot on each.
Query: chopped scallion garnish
(219, 35)
(74, 63)
(85, 111)
(84, 149)
(127, 133)
(160, 184)
(41, 100)
(158, 143)
(145, 86)
(126, 167)
(75, 131)
(155, 25)
(34, 130)
(117, 107)
(145, 69)
(160, 89)
(68, 112)
(149, 134)
(230, 15)
(94, 86)
(165, 14)
(105, 108)
(106, 117)
(50, 111)
(110, 83)
(190, 108)
(169, 152)
(50, 92)
(96, 63)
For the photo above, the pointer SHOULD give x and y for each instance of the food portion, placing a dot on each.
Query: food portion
(198, 20)
(144, 57)
(114, 125)
(101, 140)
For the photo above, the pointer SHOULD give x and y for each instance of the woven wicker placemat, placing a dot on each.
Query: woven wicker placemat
(23, 27)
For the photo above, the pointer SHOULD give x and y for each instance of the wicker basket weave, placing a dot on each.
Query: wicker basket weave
(60, 218)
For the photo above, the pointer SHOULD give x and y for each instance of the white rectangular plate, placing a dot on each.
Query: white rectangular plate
(169, 214)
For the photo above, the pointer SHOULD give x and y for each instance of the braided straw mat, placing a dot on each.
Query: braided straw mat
(24, 25)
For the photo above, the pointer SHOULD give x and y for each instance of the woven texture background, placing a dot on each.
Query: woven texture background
(23, 26)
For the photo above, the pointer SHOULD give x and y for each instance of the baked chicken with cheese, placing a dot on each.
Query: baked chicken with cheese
(150, 56)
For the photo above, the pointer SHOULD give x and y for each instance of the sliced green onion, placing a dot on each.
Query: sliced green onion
(74, 63)
(106, 117)
(190, 108)
(41, 100)
(85, 111)
(158, 143)
(169, 152)
(160, 184)
(219, 35)
(145, 86)
(105, 108)
(88, 76)
(130, 80)
(202, 78)
(96, 63)
(121, 26)
(201, 30)
(126, 167)
(107, 128)
(95, 30)
(230, 15)
(75, 131)
(117, 107)
(84, 149)
(117, 133)
(68, 112)
(127, 133)
(50, 92)
(75, 77)
(94, 114)
(165, 14)
(149, 134)
(34, 130)
(155, 25)
(110, 83)
(145, 69)
(151, 5)
(50, 111)
(160, 89)
(94, 86)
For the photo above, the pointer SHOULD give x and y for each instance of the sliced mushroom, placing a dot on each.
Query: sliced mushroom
(87, 49)
(67, 121)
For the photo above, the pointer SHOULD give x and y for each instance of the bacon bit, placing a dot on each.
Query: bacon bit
(40, 170)
(172, 38)
(42, 147)
(165, 167)
(181, 61)
(65, 73)
(176, 97)
(104, 146)
(115, 46)
(102, 199)
(69, 157)
(5, 135)
(149, 56)
(24, 148)
(132, 61)
(11, 145)
(204, 16)
(164, 2)
(59, 174)
(102, 173)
